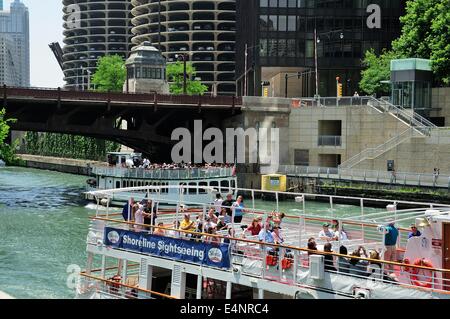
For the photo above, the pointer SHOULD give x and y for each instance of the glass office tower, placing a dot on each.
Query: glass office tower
(290, 36)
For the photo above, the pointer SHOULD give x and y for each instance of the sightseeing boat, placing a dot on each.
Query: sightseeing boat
(130, 260)
(123, 171)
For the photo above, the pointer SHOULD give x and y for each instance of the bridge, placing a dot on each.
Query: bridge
(150, 118)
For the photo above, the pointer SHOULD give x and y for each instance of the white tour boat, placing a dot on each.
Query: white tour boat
(127, 260)
(121, 174)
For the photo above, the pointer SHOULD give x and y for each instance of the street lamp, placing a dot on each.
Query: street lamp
(317, 41)
(183, 57)
(246, 66)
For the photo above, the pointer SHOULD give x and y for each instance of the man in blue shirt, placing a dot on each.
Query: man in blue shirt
(414, 232)
(390, 242)
(265, 235)
(127, 210)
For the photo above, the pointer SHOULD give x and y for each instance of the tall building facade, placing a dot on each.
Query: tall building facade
(14, 45)
(203, 31)
(93, 29)
(288, 37)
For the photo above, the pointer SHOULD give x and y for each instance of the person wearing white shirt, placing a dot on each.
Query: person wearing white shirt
(326, 233)
(218, 204)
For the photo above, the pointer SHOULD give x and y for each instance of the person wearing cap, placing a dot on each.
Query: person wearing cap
(390, 243)
(326, 233)
(414, 232)
(221, 224)
(227, 203)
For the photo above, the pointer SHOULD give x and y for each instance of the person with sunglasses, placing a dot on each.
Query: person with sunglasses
(414, 232)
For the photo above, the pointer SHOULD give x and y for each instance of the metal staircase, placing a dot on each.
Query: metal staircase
(418, 126)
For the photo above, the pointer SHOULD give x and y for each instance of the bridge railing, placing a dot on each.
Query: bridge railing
(58, 93)
(373, 176)
(168, 174)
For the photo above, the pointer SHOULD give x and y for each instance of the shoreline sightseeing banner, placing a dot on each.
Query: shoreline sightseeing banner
(214, 255)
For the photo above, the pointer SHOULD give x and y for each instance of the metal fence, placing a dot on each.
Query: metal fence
(382, 177)
(172, 174)
(325, 140)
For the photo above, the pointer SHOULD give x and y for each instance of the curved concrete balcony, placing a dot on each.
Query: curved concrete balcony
(203, 30)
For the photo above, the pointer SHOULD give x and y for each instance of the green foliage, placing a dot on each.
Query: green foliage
(110, 74)
(175, 74)
(67, 146)
(426, 34)
(7, 152)
(377, 69)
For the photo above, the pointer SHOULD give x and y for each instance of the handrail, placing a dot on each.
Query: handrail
(274, 245)
(84, 274)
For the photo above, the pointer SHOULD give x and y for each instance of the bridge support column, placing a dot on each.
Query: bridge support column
(178, 287)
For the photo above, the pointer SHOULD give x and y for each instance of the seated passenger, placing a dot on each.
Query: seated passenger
(311, 245)
(159, 231)
(375, 268)
(255, 227)
(343, 263)
(329, 260)
(358, 267)
(221, 225)
(265, 235)
(212, 216)
(326, 233)
(277, 237)
(342, 234)
(187, 224)
(211, 239)
(414, 232)
(173, 233)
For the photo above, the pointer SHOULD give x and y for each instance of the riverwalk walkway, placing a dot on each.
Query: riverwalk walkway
(368, 176)
(65, 165)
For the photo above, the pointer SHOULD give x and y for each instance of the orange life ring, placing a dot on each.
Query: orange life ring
(271, 260)
(415, 272)
(286, 263)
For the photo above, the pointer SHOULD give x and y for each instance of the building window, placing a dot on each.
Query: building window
(301, 157)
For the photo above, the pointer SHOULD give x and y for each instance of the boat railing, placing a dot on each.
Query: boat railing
(289, 262)
(168, 174)
(110, 288)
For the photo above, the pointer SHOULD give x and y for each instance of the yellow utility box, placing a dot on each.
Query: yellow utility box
(273, 182)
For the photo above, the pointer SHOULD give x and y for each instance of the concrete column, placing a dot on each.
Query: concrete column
(145, 276)
(178, 287)
(199, 286)
(260, 293)
(229, 288)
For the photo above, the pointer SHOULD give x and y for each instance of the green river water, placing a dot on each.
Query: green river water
(43, 227)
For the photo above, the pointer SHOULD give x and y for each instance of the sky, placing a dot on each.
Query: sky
(45, 27)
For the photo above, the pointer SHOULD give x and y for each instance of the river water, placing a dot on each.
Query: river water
(43, 227)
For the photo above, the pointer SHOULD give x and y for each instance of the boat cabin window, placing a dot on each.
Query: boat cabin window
(214, 184)
(202, 190)
(225, 186)
(192, 190)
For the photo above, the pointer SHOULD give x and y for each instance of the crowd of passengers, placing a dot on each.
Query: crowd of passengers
(146, 164)
(219, 219)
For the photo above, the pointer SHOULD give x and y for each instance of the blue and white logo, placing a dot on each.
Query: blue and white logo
(113, 237)
(215, 255)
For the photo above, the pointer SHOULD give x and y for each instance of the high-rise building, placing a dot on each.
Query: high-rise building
(93, 29)
(15, 45)
(276, 38)
(203, 31)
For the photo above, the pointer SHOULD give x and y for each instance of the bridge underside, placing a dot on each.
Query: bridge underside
(148, 127)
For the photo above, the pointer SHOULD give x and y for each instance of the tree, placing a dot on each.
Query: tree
(426, 34)
(110, 74)
(175, 74)
(377, 69)
(7, 152)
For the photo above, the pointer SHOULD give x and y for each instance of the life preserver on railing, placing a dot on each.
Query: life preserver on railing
(115, 285)
(415, 272)
(271, 260)
(286, 263)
